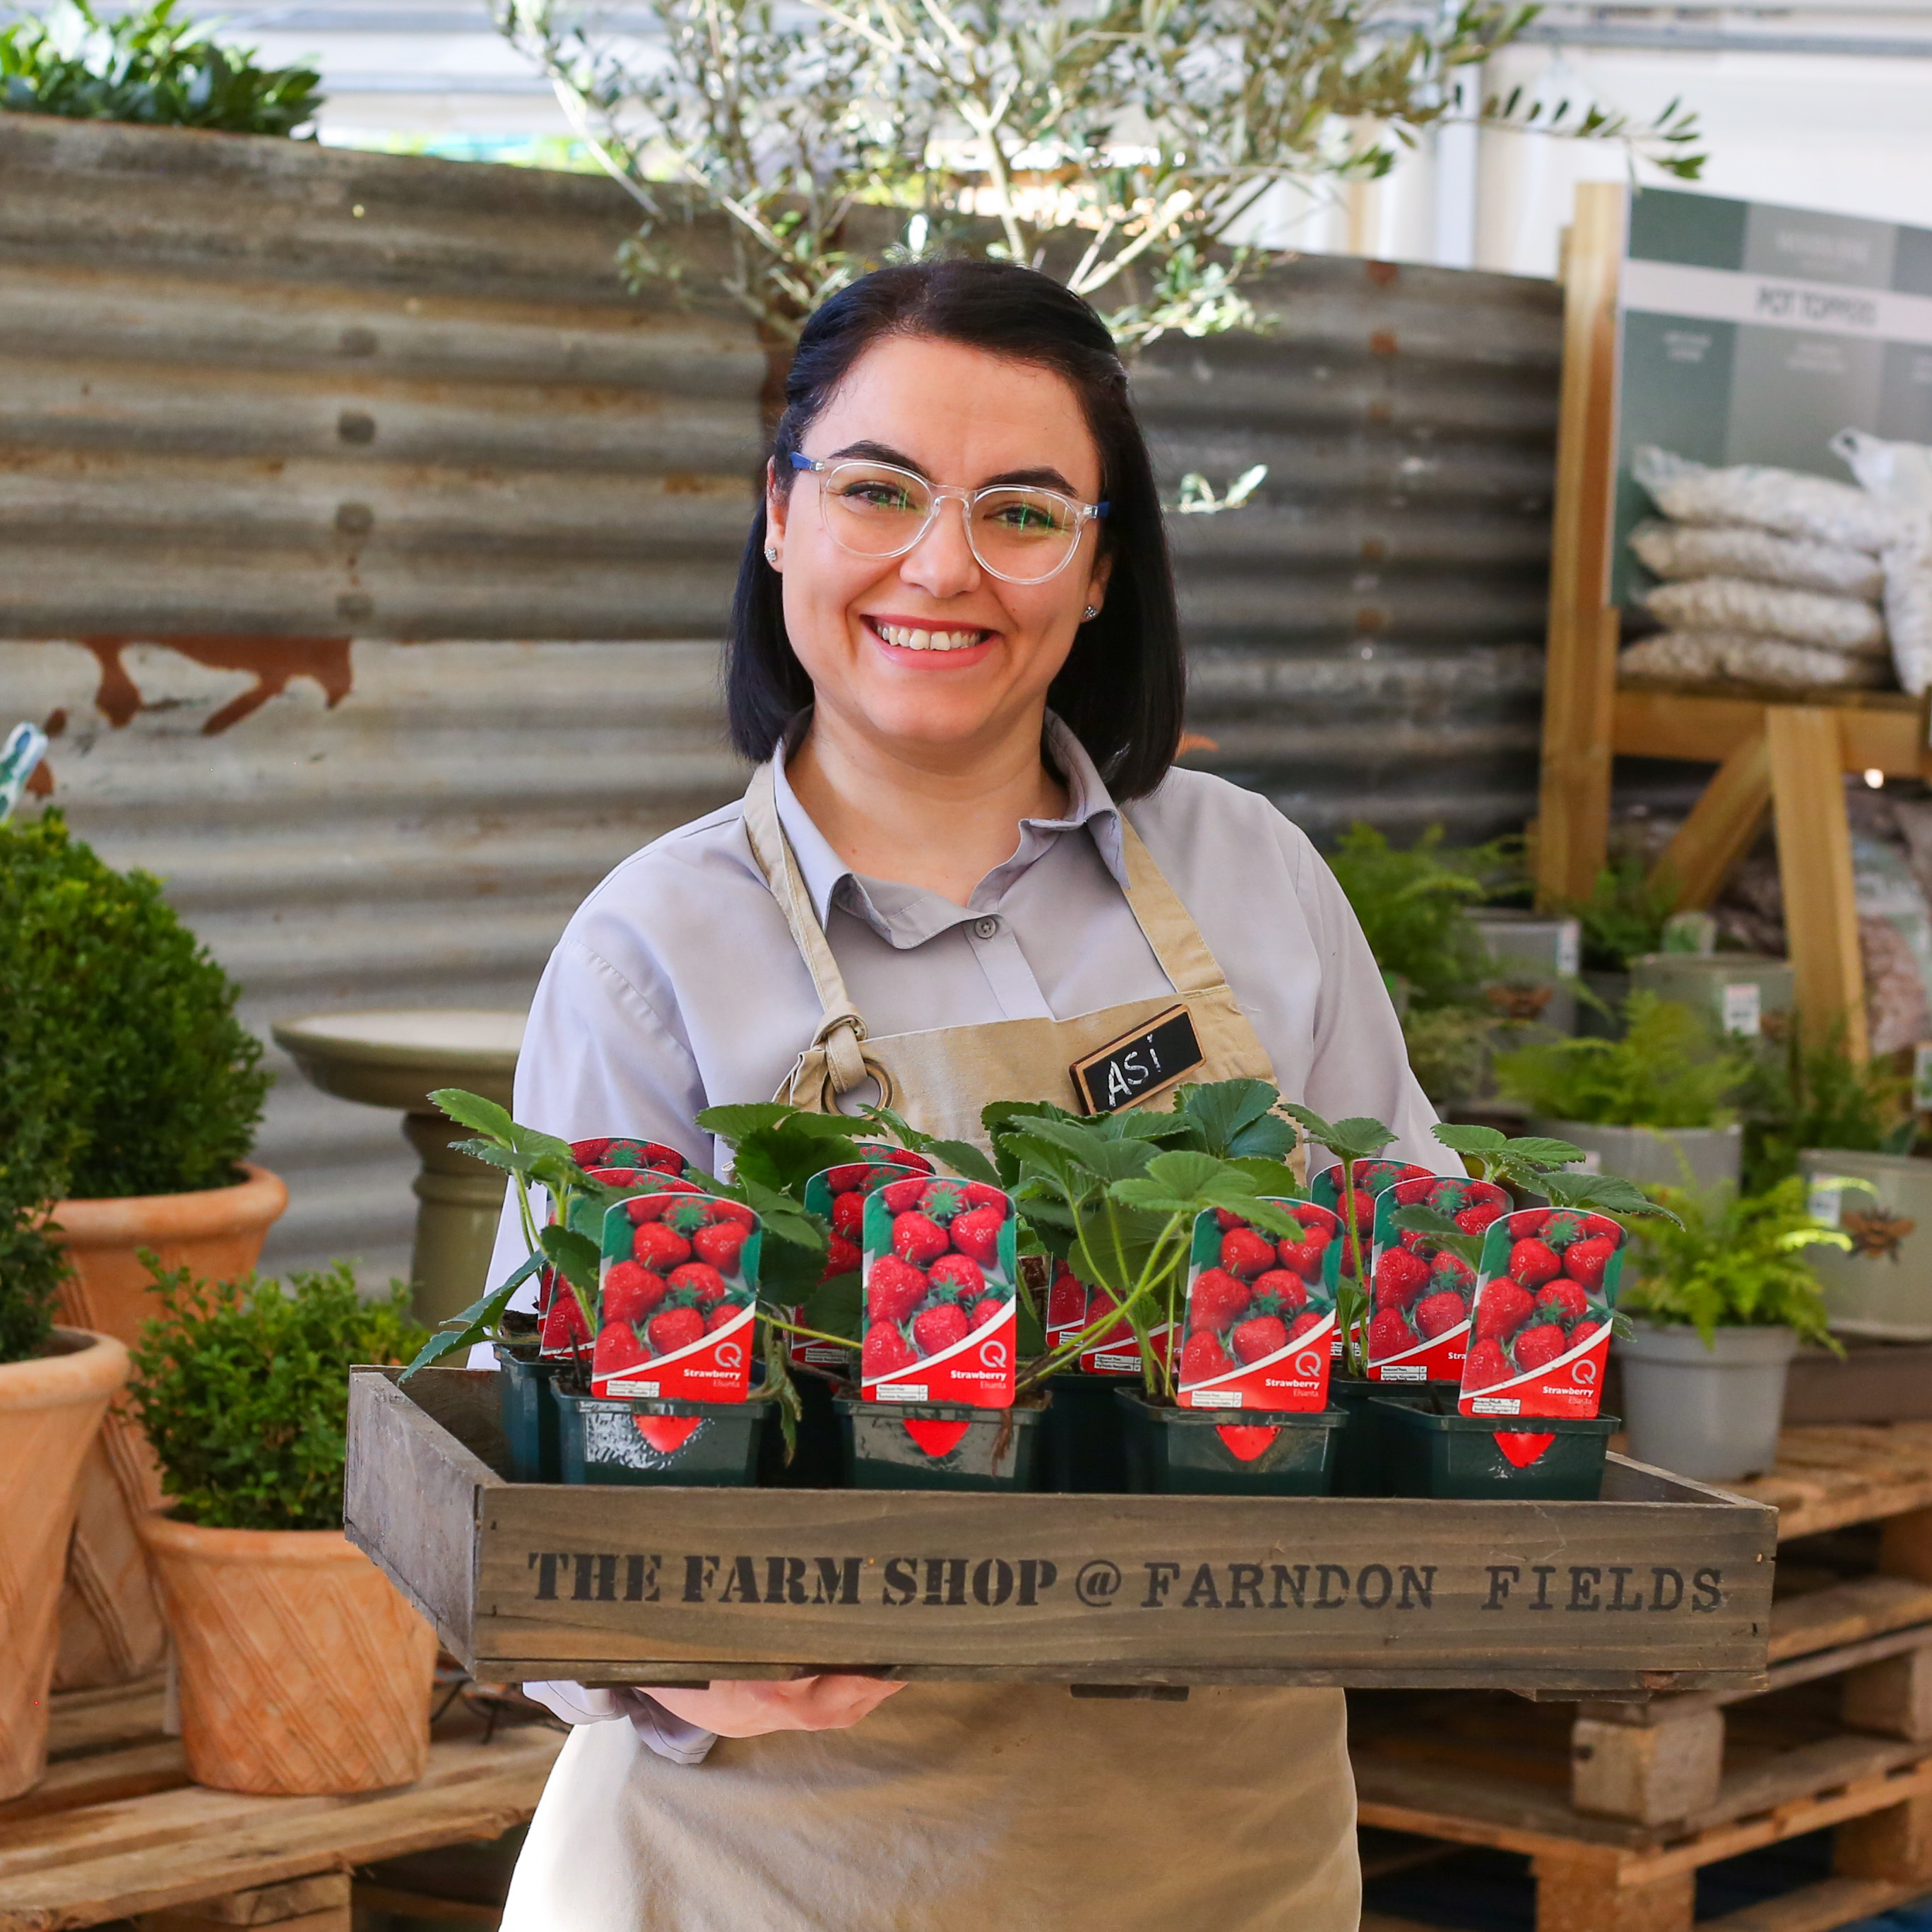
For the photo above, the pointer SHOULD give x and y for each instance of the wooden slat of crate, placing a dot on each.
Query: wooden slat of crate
(173, 1849)
(675, 1584)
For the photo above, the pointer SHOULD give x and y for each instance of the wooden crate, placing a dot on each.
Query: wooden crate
(655, 1585)
(115, 1831)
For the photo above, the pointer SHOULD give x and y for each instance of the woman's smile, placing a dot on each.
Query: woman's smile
(928, 642)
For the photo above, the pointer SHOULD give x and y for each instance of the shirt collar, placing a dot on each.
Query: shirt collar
(1089, 803)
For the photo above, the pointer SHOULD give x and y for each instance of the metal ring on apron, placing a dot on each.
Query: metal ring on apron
(851, 1049)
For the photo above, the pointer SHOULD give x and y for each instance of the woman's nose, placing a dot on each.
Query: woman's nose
(942, 563)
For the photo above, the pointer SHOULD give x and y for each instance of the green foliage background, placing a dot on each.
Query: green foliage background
(1667, 1071)
(151, 66)
(244, 1391)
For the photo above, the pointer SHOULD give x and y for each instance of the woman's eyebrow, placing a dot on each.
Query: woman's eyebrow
(1043, 476)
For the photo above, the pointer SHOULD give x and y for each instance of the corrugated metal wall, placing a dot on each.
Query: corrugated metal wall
(260, 399)
(1365, 639)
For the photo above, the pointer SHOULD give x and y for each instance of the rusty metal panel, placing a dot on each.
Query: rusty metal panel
(1365, 639)
(396, 825)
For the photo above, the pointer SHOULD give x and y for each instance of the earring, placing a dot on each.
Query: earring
(1092, 611)
(771, 552)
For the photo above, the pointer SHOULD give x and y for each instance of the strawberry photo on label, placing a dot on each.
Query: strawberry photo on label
(1374, 1179)
(645, 1172)
(939, 1281)
(1425, 1286)
(1542, 1324)
(676, 1328)
(1259, 1317)
(837, 1195)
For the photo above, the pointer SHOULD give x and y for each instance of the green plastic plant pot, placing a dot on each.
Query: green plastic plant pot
(1224, 1452)
(641, 1440)
(529, 1416)
(1083, 1438)
(1469, 1457)
(1361, 1450)
(938, 1445)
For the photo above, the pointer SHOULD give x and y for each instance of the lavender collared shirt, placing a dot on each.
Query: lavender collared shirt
(676, 986)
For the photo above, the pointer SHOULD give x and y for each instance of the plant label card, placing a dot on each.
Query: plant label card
(940, 1276)
(677, 1296)
(1421, 1290)
(838, 1196)
(560, 1329)
(1539, 1338)
(1073, 1307)
(1261, 1311)
(1373, 1178)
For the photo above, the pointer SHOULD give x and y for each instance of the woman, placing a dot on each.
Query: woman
(955, 657)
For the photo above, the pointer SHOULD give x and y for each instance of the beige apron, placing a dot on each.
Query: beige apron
(967, 1807)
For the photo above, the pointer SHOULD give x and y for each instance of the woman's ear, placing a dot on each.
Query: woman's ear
(1096, 582)
(777, 503)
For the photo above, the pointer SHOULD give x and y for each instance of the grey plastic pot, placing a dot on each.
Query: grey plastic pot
(1700, 1157)
(1710, 1414)
(1882, 1287)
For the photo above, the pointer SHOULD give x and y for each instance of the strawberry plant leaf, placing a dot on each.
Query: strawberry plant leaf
(1270, 1176)
(1029, 1338)
(479, 1115)
(1242, 1200)
(1237, 1117)
(735, 1123)
(836, 1307)
(1603, 1194)
(778, 1380)
(963, 1157)
(1357, 1138)
(1441, 1230)
(1184, 1173)
(900, 1129)
(1460, 1138)
(574, 1256)
(479, 1322)
(1540, 1150)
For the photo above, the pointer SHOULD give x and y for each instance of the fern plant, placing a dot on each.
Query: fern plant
(1731, 1260)
(1819, 1096)
(1668, 1071)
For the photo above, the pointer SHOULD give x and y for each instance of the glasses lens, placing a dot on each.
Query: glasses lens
(873, 509)
(1024, 535)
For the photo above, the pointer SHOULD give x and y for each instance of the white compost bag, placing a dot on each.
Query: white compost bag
(1784, 500)
(1899, 474)
(1709, 657)
(1769, 610)
(1679, 551)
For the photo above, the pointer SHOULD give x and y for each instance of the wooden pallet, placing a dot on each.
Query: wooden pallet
(1470, 1770)
(116, 1832)
(1619, 1807)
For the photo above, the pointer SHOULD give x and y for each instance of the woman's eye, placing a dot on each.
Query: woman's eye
(877, 496)
(1034, 517)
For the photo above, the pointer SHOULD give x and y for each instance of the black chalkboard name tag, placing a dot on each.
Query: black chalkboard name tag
(1120, 1073)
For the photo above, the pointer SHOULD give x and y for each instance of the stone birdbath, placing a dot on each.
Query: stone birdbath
(397, 1059)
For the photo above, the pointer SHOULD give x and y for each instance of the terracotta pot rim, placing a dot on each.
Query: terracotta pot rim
(89, 1372)
(167, 1535)
(137, 1219)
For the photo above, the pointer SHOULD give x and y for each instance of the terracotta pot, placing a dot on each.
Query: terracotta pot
(303, 1672)
(111, 1629)
(50, 1411)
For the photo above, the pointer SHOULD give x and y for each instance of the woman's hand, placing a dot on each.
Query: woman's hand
(752, 1707)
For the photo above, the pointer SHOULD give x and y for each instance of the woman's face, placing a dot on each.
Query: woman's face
(929, 653)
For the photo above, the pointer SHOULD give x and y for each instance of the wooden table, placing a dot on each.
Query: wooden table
(116, 1832)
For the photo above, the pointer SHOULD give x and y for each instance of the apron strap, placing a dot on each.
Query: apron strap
(1169, 929)
(843, 1029)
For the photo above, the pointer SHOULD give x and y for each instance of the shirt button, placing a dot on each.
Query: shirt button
(985, 928)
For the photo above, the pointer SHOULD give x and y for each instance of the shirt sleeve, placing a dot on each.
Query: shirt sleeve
(668, 1736)
(1361, 1060)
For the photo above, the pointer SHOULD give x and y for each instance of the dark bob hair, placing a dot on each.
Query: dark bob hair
(1121, 689)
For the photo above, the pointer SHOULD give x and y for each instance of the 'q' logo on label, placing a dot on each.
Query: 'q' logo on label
(993, 1354)
(730, 1354)
(1584, 1371)
(1309, 1364)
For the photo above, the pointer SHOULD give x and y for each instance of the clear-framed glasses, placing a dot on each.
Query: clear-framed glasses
(1021, 533)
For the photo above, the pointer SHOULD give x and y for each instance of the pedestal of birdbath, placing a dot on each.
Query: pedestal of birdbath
(397, 1059)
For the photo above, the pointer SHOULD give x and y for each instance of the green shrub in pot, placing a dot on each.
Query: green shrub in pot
(1801, 1097)
(1719, 1300)
(1656, 1105)
(302, 1670)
